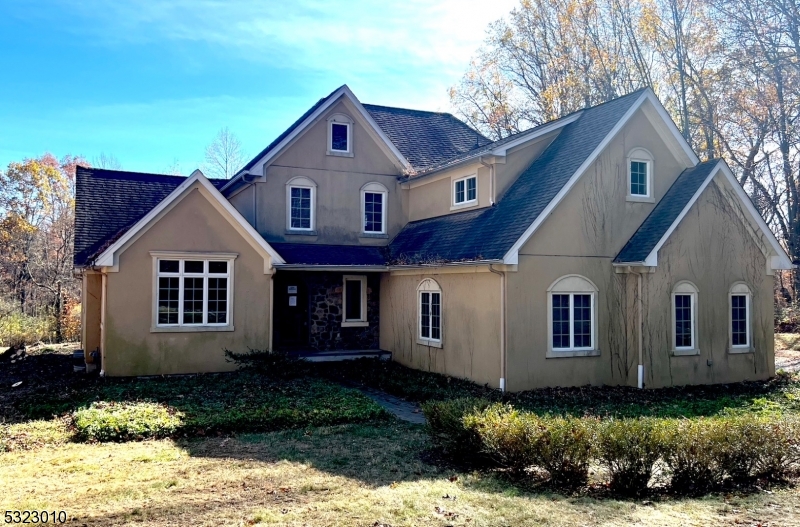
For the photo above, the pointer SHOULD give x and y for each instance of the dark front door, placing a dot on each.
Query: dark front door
(291, 313)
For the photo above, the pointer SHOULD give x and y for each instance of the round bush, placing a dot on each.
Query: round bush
(126, 421)
(630, 449)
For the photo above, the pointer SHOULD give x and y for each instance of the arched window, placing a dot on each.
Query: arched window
(640, 175)
(373, 209)
(429, 313)
(572, 316)
(301, 204)
(684, 319)
(740, 299)
(340, 135)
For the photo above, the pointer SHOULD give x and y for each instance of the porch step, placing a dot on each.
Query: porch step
(340, 355)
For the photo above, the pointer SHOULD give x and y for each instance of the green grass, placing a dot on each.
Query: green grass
(206, 404)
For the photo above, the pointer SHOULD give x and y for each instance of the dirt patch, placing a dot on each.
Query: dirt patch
(46, 369)
(788, 360)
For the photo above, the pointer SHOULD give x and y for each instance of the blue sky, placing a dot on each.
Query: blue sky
(152, 81)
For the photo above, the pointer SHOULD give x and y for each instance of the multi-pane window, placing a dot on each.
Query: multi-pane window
(465, 190)
(739, 320)
(430, 310)
(683, 321)
(300, 213)
(339, 137)
(373, 212)
(638, 178)
(193, 292)
(572, 321)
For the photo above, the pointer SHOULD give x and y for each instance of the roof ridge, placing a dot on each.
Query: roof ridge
(101, 171)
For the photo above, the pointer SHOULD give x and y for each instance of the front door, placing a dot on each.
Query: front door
(291, 314)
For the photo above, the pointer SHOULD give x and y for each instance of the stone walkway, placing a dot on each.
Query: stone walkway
(401, 409)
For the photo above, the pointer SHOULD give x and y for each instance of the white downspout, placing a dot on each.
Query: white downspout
(103, 307)
(502, 276)
(491, 180)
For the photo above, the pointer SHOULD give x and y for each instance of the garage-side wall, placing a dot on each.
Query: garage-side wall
(130, 346)
(470, 325)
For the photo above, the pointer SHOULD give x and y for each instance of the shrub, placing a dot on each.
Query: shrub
(565, 448)
(18, 328)
(630, 449)
(111, 421)
(446, 426)
(507, 436)
(778, 447)
(693, 450)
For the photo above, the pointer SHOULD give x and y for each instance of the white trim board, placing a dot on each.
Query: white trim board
(110, 257)
(779, 260)
(512, 255)
(345, 92)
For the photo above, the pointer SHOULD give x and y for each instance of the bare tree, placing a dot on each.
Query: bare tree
(107, 161)
(224, 156)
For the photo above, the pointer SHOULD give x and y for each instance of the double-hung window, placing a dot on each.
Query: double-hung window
(193, 291)
(684, 319)
(740, 318)
(300, 205)
(572, 317)
(465, 190)
(373, 209)
(429, 313)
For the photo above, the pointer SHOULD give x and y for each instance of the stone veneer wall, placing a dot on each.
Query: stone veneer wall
(325, 331)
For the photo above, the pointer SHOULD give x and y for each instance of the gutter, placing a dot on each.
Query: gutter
(384, 268)
(503, 282)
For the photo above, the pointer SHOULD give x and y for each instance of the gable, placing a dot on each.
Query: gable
(597, 211)
(310, 148)
(109, 202)
(109, 258)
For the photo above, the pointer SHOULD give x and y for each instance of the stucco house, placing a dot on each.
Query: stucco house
(594, 249)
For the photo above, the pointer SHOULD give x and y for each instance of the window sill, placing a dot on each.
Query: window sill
(572, 353)
(340, 154)
(467, 205)
(373, 235)
(430, 343)
(685, 353)
(741, 351)
(640, 199)
(189, 329)
(355, 324)
(292, 232)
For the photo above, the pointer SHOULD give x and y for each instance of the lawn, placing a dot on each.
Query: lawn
(306, 450)
(364, 475)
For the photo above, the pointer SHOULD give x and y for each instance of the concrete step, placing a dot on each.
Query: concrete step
(340, 355)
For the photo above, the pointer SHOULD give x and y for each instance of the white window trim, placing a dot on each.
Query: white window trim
(466, 202)
(685, 288)
(155, 327)
(374, 188)
(572, 285)
(345, 121)
(430, 285)
(362, 321)
(642, 156)
(301, 182)
(740, 289)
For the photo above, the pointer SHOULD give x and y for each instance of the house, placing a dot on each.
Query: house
(594, 249)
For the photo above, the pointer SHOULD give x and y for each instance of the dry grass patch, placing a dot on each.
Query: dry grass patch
(344, 475)
(787, 341)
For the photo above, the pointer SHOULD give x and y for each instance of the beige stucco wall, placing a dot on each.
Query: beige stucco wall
(338, 179)
(470, 324)
(433, 197)
(91, 301)
(131, 348)
(518, 159)
(711, 247)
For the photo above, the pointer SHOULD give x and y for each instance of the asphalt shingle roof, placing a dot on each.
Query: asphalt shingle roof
(664, 214)
(487, 234)
(425, 138)
(109, 202)
(334, 255)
